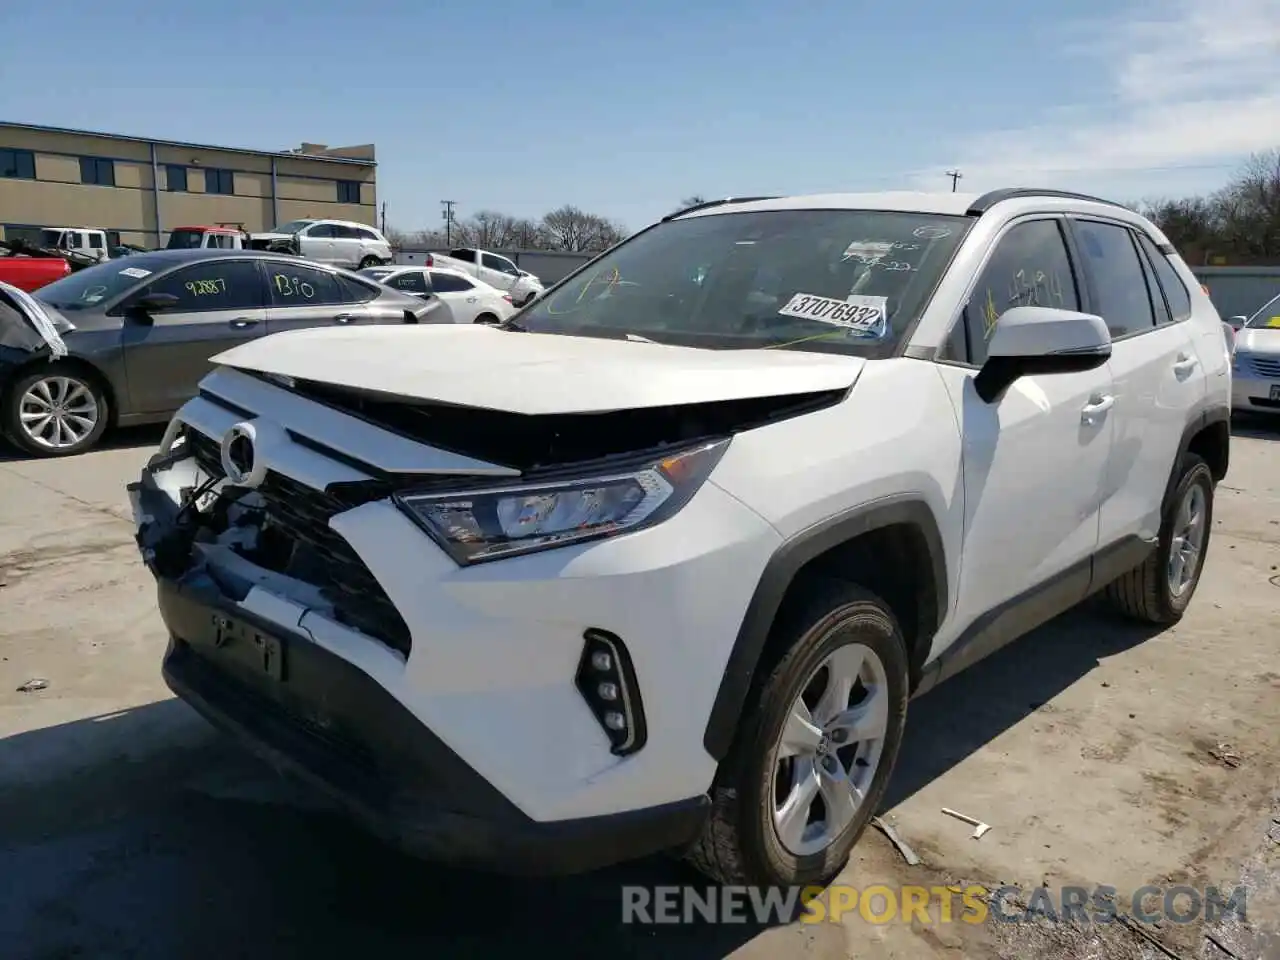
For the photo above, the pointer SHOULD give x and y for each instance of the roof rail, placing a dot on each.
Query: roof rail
(991, 198)
(712, 203)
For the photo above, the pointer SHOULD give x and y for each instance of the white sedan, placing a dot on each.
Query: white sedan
(468, 300)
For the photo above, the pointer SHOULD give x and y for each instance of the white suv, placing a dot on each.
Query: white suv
(340, 243)
(659, 563)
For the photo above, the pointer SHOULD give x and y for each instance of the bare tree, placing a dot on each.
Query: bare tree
(572, 229)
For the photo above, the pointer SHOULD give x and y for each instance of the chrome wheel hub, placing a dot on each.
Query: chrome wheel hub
(57, 412)
(1187, 546)
(827, 755)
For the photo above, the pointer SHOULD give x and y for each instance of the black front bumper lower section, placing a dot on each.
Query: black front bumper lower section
(313, 714)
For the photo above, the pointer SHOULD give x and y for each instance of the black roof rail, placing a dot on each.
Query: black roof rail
(991, 198)
(712, 203)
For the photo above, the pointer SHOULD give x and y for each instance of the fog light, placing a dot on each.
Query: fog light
(606, 679)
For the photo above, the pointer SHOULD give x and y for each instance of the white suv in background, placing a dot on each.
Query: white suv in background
(660, 562)
(340, 243)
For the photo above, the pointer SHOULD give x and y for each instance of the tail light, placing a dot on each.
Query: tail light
(428, 261)
(507, 297)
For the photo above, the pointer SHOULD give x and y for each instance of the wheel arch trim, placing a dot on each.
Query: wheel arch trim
(780, 572)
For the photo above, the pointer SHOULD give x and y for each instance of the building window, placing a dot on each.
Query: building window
(175, 178)
(219, 181)
(348, 191)
(97, 171)
(18, 164)
(24, 232)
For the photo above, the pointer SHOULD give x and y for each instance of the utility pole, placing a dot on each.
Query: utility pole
(384, 218)
(955, 176)
(448, 221)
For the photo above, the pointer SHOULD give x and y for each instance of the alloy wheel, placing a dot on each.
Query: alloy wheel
(829, 750)
(58, 412)
(1187, 546)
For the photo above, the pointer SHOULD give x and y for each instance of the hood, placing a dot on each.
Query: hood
(531, 373)
(28, 324)
(1258, 340)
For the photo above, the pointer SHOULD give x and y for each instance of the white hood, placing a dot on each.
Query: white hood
(529, 373)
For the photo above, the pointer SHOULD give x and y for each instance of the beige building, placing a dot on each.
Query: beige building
(140, 189)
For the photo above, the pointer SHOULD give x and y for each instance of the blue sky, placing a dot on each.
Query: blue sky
(625, 108)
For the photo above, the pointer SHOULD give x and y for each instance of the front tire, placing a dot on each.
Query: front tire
(54, 411)
(1160, 589)
(819, 740)
(486, 318)
(368, 262)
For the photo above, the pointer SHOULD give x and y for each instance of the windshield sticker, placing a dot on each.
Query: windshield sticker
(867, 251)
(931, 232)
(865, 315)
(136, 272)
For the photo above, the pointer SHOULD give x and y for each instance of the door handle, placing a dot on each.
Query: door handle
(244, 323)
(344, 318)
(1184, 364)
(1096, 407)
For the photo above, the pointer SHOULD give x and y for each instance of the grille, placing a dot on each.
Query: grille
(1266, 366)
(302, 515)
(359, 601)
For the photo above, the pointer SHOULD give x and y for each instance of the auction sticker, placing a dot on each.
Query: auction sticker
(136, 272)
(867, 251)
(867, 315)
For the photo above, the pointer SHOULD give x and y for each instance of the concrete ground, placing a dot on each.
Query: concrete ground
(1100, 753)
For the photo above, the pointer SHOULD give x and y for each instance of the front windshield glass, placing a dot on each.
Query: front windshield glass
(50, 238)
(85, 289)
(293, 226)
(842, 281)
(1268, 316)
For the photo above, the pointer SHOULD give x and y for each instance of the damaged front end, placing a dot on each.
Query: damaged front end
(28, 326)
(195, 525)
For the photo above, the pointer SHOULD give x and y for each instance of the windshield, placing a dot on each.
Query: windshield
(87, 288)
(185, 239)
(843, 281)
(50, 238)
(293, 226)
(1268, 316)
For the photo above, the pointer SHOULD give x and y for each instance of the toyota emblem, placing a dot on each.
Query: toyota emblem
(240, 461)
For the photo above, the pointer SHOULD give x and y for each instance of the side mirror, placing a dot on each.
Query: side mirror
(1235, 323)
(154, 303)
(1040, 340)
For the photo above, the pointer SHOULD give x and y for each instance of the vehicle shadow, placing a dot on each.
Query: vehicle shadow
(212, 854)
(1255, 427)
(120, 438)
(970, 710)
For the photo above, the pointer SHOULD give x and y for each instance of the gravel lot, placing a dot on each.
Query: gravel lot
(129, 829)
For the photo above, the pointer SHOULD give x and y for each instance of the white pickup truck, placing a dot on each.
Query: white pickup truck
(88, 242)
(493, 269)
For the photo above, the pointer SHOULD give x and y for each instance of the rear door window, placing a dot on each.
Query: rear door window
(1111, 260)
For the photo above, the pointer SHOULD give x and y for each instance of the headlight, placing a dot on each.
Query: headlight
(494, 522)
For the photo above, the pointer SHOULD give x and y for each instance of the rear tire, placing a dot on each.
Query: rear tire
(486, 318)
(1160, 589)
(368, 262)
(761, 829)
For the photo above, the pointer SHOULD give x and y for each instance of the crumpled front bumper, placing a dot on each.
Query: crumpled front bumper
(313, 713)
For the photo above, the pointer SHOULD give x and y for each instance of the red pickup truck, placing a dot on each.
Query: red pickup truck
(32, 273)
